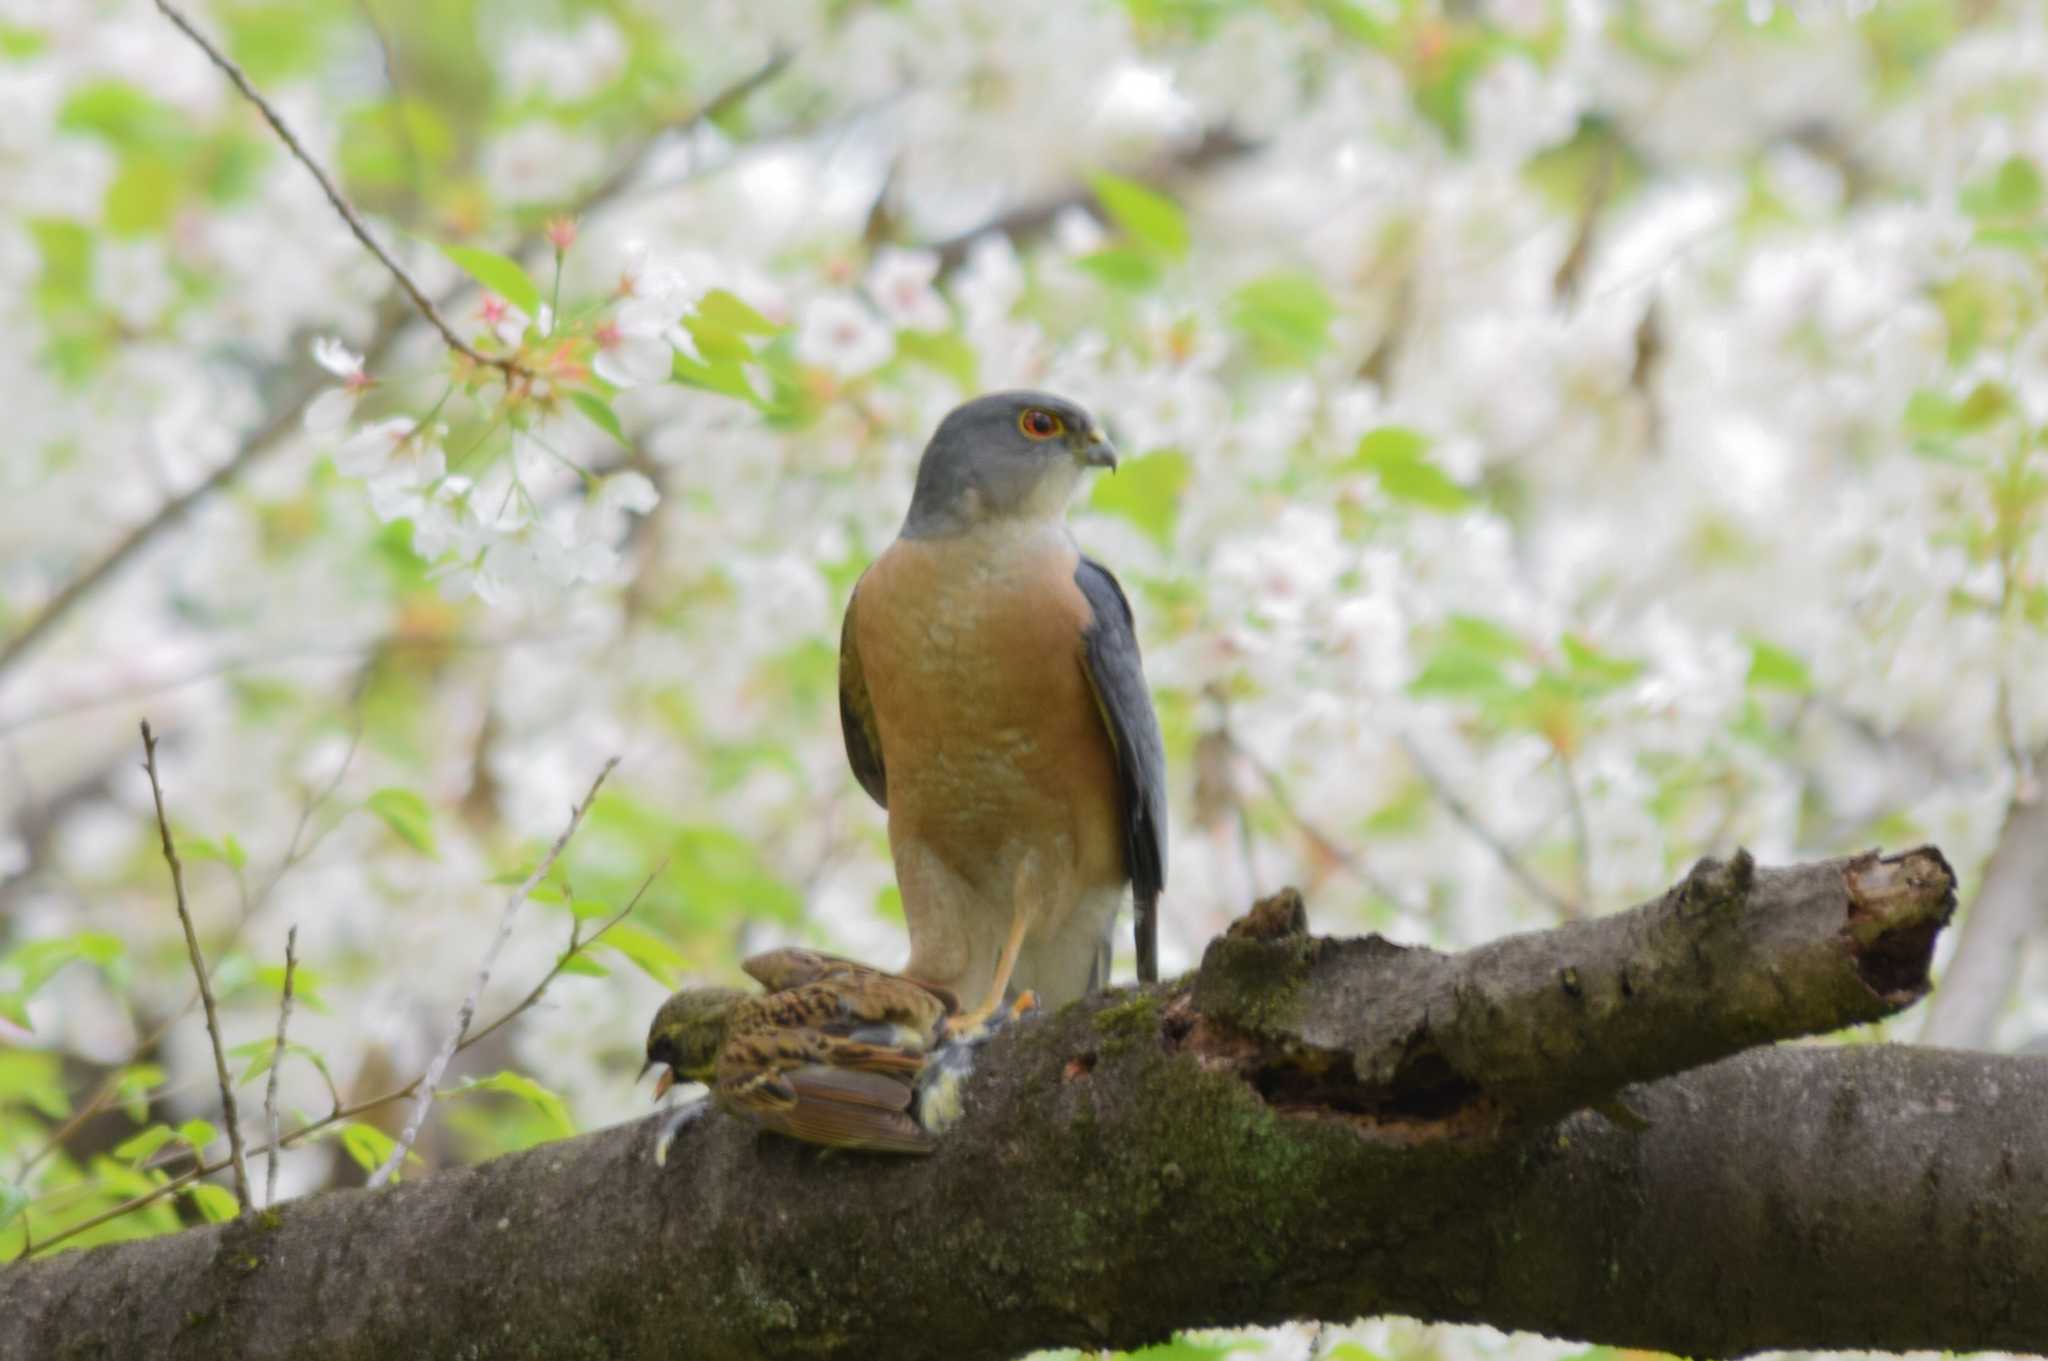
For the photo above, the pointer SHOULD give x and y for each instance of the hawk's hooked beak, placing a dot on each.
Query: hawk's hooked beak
(1096, 451)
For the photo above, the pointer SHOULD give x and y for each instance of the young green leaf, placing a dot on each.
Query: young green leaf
(501, 274)
(216, 1203)
(656, 957)
(407, 815)
(1773, 668)
(1149, 218)
(1399, 459)
(1285, 315)
(526, 1089)
(599, 413)
(137, 1147)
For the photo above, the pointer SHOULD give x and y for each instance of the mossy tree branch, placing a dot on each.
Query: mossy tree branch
(1304, 1128)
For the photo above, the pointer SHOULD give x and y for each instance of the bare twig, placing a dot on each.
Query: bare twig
(284, 1019)
(423, 1100)
(287, 415)
(1502, 852)
(230, 1117)
(1582, 838)
(349, 1112)
(504, 363)
(577, 944)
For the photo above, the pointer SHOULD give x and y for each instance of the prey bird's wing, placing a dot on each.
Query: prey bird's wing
(846, 1108)
(857, 712)
(1109, 655)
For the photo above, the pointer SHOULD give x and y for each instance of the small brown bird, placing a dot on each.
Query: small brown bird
(834, 1052)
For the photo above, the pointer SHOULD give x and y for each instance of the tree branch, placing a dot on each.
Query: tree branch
(229, 1116)
(284, 1020)
(503, 363)
(1197, 1154)
(2011, 903)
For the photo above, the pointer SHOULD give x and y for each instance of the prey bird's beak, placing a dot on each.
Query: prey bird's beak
(662, 1083)
(1097, 451)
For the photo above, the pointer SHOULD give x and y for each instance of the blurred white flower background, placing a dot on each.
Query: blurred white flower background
(1563, 439)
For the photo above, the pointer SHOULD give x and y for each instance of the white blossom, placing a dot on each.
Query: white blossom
(839, 334)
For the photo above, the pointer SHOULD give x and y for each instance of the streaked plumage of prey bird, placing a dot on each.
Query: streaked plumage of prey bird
(993, 701)
(834, 1053)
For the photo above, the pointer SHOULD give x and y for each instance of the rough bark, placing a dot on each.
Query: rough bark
(1184, 1156)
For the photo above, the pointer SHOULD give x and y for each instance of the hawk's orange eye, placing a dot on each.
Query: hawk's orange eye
(1038, 423)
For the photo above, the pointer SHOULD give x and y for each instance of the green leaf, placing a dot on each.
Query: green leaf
(202, 848)
(1146, 491)
(13, 1200)
(406, 814)
(142, 197)
(944, 351)
(722, 375)
(1122, 267)
(1397, 456)
(216, 1203)
(198, 1133)
(133, 1087)
(1454, 672)
(730, 312)
(1773, 668)
(660, 960)
(500, 274)
(368, 1146)
(1390, 443)
(1483, 636)
(34, 1077)
(526, 1089)
(1931, 413)
(117, 112)
(134, 1150)
(2013, 194)
(1286, 316)
(586, 966)
(1597, 669)
(587, 909)
(1149, 218)
(600, 414)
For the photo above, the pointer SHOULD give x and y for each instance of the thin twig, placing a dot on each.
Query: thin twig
(505, 363)
(287, 416)
(424, 1099)
(577, 944)
(230, 1117)
(1502, 852)
(340, 1112)
(1582, 838)
(284, 1018)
